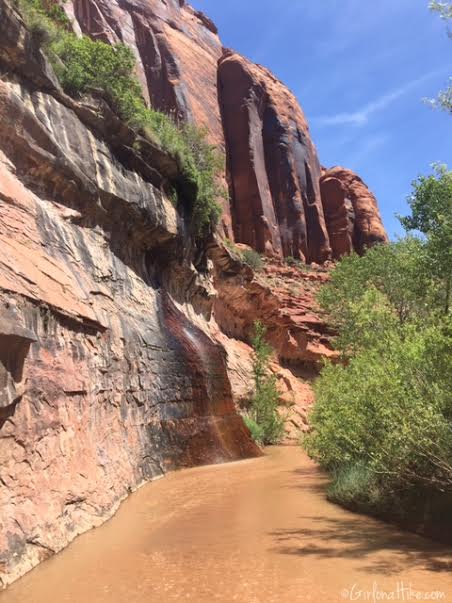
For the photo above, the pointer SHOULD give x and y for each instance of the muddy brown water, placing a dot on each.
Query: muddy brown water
(258, 531)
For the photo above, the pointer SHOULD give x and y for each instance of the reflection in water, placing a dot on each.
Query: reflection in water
(256, 531)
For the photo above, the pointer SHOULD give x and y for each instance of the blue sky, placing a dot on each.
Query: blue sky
(360, 70)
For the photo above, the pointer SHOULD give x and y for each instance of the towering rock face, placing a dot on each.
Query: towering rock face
(106, 381)
(177, 50)
(351, 212)
(273, 166)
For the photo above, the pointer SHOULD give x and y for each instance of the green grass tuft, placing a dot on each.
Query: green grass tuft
(253, 259)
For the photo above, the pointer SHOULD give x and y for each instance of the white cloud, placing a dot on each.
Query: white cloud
(362, 116)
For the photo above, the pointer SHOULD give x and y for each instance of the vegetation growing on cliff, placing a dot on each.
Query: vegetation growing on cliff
(382, 424)
(250, 257)
(84, 65)
(44, 19)
(253, 259)
(263, 419)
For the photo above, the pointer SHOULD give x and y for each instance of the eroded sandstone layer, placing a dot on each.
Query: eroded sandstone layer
(283, 298)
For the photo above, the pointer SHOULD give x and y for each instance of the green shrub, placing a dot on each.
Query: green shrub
(86, 64)
(355, 485)
(293, 262)
(263, 411)
(253, 259)
(257, 432)
(203, 164)
(83, 65)
(398, 271)
(389, 408)
(42, 26)
(382, 422)
(230, 245)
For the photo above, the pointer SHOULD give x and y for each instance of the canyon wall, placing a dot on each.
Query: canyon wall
(272, 165)
(177, 50)
(106, 382)
(123, 341)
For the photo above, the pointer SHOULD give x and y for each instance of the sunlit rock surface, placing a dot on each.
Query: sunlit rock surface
(177, 49)
(273, 165)
(351, 212)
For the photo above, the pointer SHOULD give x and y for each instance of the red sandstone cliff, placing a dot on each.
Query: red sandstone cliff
(177, 50)
(351, 212)
(123, 348)
(273, 166)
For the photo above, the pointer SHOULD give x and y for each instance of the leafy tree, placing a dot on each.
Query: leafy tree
(397, 271)
(444, 100)
(382, 422)
(431, 214)
(443, 8)
(389, 410)
(263, 419)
